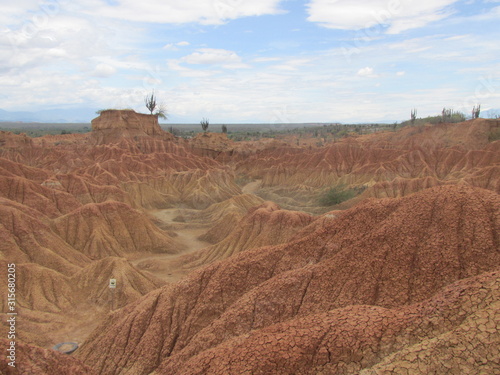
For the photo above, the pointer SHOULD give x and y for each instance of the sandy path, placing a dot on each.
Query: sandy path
(84, 319)
(164, 266)
(251, 187)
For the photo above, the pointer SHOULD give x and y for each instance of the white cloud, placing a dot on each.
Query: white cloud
(183, 71)
(170, 47)
(211, 56)
(173, 47)
(446, 48)
(366, 72)
(65, 39)
(292, 64)
(14, 10)
(210, 12)
(397, 15)
(60, 61)
(284, 67)
(103, 70)
(266, 59)
(414, 45)
(214, 56)
(42, 89)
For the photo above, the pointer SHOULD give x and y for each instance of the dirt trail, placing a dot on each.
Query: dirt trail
(85, 318)
(164, 266)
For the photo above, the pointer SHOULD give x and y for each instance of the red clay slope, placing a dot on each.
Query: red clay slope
(112, 229)
(456, 331)
(32, 360)
(388, 253)
(263, 225)
(26, 237)
(223, 216)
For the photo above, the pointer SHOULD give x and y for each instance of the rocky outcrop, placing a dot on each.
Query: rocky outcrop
(50, 302)
(211, 144)
(10, 168)
(45, 290)
(201, 188)
(114, 125)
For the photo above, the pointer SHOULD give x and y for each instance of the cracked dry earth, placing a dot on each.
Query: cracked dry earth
(391, 286)
(455, 332)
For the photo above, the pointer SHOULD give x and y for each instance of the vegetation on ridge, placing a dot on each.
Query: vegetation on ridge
(204, 124)
(151, 105)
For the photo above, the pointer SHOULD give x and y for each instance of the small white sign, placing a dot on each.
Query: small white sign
(112, 283)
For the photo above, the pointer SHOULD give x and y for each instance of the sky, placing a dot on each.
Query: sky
(244, 61)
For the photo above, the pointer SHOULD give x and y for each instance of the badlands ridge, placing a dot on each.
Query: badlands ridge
(226, 263)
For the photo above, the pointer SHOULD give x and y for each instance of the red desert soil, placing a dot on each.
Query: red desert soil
(34, 360)
(390, 254)
(266, 224)
(219, 278)
(164, 266)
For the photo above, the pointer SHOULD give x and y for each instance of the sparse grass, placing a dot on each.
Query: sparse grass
(494, 134)
(338, 194)
(39, 130)
(242, 180)
(98, 112)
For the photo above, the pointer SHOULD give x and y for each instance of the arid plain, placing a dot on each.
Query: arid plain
(226, 263)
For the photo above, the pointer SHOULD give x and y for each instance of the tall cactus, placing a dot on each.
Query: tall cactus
(413, 115)
(476, 111)
(204, 124)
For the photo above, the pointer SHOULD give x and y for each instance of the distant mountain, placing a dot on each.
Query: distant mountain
(58, 115)
(491, 113)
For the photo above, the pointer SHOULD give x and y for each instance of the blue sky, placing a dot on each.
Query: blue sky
(262, 61)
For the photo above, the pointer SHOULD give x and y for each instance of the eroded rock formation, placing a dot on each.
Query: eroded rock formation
(115, 125)
(405, 280)
(263, 225)
(388, 254)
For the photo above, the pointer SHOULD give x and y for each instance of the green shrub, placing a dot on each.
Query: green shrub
(336, 195)
(494, 134)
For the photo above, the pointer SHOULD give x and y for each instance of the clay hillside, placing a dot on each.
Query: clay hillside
(374, 254)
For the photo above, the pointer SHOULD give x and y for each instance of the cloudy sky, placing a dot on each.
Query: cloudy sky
(252, 60)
